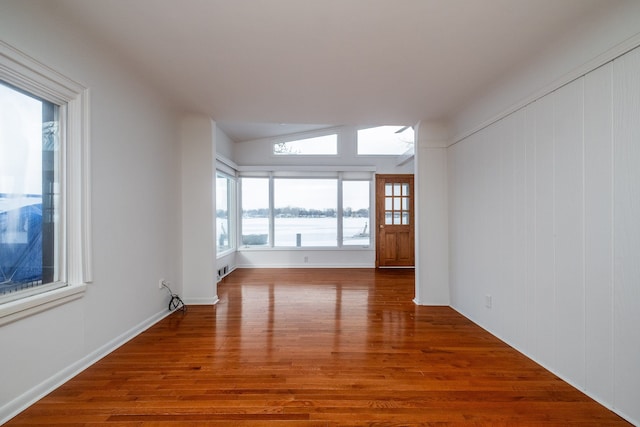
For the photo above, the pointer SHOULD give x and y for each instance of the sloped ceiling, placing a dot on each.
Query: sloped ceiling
(255, 65)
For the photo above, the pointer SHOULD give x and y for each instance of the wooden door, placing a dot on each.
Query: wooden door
(395, 235)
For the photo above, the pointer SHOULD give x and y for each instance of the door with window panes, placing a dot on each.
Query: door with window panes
(395, 221)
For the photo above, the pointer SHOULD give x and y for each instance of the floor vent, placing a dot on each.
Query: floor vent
(223, 272)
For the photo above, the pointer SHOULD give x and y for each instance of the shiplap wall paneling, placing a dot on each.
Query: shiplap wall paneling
(530, 228)
(508, 305)
(457, 170)
(462, 197)
(474, 188)
(598, 233)
(568, 231)
(545, 297)
(626, 138)
(545, 217)
(491, 228)
(518, 312)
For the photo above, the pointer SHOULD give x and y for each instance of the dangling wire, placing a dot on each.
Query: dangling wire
(175, 303)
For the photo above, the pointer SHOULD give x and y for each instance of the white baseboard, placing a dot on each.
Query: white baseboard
(22, 402)
(367, 265)
(201, 301)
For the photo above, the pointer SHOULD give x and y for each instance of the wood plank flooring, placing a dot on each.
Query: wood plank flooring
(316, 347)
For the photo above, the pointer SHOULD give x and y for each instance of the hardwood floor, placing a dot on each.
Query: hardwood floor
(316, 348)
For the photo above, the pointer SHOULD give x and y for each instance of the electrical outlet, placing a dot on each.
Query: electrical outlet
(160, 283)
(306, 259)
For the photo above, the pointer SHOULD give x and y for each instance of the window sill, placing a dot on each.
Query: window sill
(307, 248)
(14, 310)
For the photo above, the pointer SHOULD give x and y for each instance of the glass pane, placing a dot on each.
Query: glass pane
(255, 211)
(396, 218)
(385, 140)
(305, 212)
(397, 203)
(223, 217)
(405, 189)
(388, 203)
(29, 191)
(388, 189)
(388, 218)
(405, 203)
(326, 144)
(405, 218)
(355, 213)
(396, 189)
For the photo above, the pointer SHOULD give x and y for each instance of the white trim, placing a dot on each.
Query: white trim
(306, 169)
(608, 56)
(201, 301)
(307, 266)
(23, 307)
(225, 165)
(20, 403)
(24, 72)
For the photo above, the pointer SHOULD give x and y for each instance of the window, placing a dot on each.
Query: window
(319, 145)
(45, 257)
(29, 194)
(288, 211)
(255, 211)
(385, 140)
(225, 192)
(305, 212)
(355, 213)
(396, 204)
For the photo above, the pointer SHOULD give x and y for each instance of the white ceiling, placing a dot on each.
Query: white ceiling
(256, 65)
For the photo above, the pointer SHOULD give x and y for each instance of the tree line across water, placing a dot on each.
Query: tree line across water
(294, 212)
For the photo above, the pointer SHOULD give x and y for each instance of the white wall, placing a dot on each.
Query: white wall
(260, 153)
(544, 218)
(135, 175)
(432, 238)
(613, 28)
(224, 144)
(198, 139)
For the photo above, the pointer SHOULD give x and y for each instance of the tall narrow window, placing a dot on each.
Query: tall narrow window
(225, 191)
(45, 202)
(29, 194)
(355, 213)
(255, 211)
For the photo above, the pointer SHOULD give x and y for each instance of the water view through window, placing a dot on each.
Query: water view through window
(305, 212)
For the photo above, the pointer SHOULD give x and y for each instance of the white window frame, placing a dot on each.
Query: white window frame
(25, 73)
(407, 152)
(305, 137)
(341, 174)
(232, 190)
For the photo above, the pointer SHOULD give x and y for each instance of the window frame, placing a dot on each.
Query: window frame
(232, 190)
(408, 151)
(353, 173)
(27, 74)
(296, 138)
